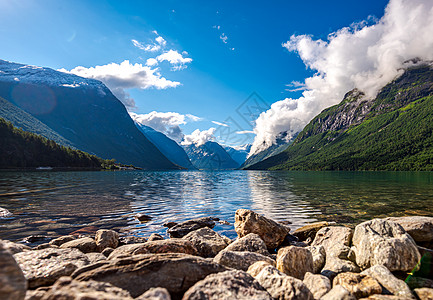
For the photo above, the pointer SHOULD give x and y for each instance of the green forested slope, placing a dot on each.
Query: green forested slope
(21, 149)
(392, 132)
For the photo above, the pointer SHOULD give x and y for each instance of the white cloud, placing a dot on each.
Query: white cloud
(245, 132)
(151, 62)
(224, 38)
(198, 137)
(362, 56)
(220, 124)
(159, 44)
(165, 122)
(176, 59)
(118, 77)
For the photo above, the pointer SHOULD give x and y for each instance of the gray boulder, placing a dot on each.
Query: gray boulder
(330, 236)
(271, 232)
(240, 260)
(257, 267)
(182, 229)
(418, 227)
(318, 285)
(155, 237)
(319, 257)
(338, 293)
(309, 231)
(382, 242)
(207, 242)
(61, 240)
(424, 293)
(44, 267)
(155, 294)
(13, 284)
(106, 239)
(359, 285)
(227, 285)
(174, 271)
(251, 242)
(85, 245)
(295, 261)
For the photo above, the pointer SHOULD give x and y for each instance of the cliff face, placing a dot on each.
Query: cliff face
(391, 132)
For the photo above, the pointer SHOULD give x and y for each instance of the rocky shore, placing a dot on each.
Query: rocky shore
(380, 259)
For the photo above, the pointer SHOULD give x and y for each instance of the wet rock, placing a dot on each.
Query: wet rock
(257, 267)
(155, 294)
(14, 247)
(358, 284)
(318, 285)
(223, 222)
(106, 238)
(281, 286)
(338, 293)
(155, 237)
(424, 293)
(44, 267)
(319, 257)
(271, 232)
(107, 251)
(309, 231)
(143, 218)
(381, 242)
(329, 236)
(227, 285)
(68, 289)
(391, 283)
(128, 240)
(207, 242)
(85, 245)
(95, 257)
(251, 242)
(13, 284)
(32, 239)
(240, 260)
(182, 229)
(295, 261)
(136, 274)
(418, 227)
(169, 224)
(162, 246)
(63, 239)
(4, 213)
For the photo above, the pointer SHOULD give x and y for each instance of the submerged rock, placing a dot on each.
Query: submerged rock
(136, 274)
(251, 242)
(382, 242)
(240, 260)
(271, 232)
(359, 285)
(182, 229)
(44, 267)
(227, 285)
(281, 286)
(13, 284)
(207, 242)
(68, 289)
(295, 261)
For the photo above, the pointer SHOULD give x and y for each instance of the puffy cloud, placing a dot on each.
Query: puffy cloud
(125, 75)
(159, 44)
(167, 123)
(366, 55)
(176, 59)
(198, 137)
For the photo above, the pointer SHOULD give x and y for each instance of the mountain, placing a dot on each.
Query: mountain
(82, 111)
(394, 131)
(210, 156)
(21, 149)
(239, 154)
(27, 122)
(167, 146)
(281, 144)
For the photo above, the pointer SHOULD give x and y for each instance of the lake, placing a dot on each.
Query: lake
(58, 203)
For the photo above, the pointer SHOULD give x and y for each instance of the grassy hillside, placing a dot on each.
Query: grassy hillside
(392, 132)
(21, 149)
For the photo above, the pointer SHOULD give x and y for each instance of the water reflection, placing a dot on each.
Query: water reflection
(56, 203)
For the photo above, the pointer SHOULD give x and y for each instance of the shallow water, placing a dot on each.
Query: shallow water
(57, 203)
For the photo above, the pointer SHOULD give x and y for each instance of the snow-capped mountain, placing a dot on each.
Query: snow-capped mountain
(83, 111)
(239, 153)
(210, 156)
(167, 146)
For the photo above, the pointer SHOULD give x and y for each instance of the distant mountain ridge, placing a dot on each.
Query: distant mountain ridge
(394, 131)
(82, 111)
(210, 156)
(239, 154)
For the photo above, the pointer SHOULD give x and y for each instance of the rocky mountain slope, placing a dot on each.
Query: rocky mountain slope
(239, 154)
(394, 131)
(82, 111)
(210, 156)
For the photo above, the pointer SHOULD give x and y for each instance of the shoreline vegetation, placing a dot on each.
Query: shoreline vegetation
(389, 258)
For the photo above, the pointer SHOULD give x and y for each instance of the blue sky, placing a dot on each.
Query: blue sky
(223, 72)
